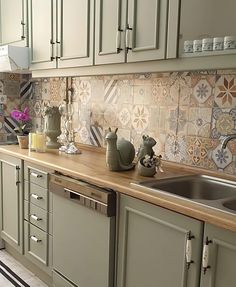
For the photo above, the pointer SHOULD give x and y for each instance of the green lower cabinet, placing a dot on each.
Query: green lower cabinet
(152, 246)
(220, 267)
(11, 199)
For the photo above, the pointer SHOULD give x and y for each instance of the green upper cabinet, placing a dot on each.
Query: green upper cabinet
(75, 33)
(110, 31)
(61, 33)
(135, 30)
(42, 27)
(153, 244)
(221, 258)
(13, 22)
(12, 201)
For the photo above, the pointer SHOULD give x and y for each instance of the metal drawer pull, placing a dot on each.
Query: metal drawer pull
(34, 174)
(35, 239)
(35, 217)
(35, 196)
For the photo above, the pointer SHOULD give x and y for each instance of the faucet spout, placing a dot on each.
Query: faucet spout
(227, 139)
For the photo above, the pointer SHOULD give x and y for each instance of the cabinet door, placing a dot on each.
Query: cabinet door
(110, 31)
(42, 30)
(146, 30)
(152, 244)
(11, 200)
(75, 27)
(13, 22)
(222, 258)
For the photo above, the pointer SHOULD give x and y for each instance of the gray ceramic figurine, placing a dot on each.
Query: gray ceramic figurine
(120, 153)
(146, 147)
(52, 124)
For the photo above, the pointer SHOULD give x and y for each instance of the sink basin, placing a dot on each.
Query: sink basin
(230, 204)
(194, 187)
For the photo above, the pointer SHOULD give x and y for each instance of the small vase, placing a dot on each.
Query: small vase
(23, 141)
(146, 171)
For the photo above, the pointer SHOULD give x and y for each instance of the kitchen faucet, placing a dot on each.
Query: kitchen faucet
(227, 139)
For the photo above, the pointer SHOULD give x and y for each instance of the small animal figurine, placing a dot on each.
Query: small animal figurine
(146, 147)
(120, 153)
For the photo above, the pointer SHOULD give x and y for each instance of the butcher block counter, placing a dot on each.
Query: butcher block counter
(91, 167)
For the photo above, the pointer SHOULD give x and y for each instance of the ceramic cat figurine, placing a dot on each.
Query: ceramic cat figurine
(120, 152)
(146, 147)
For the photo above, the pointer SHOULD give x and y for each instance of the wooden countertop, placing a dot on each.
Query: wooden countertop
(91, 166)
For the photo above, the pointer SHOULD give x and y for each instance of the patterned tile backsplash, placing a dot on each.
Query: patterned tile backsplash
(15, 91)
(188, 113)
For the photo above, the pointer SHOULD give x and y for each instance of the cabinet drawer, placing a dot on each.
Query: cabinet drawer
(36, 176)
(38, 216)
(38, 246)
(59, 281)
(36, 195)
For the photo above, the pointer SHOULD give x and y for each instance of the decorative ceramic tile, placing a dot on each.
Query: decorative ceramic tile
(45, 90)
(110, 91)
(12, 77)
(223, 122)
(97, 90)
(84, 91)
(37, 90)
(183, 115)
(202, 91)
(110, 115)
(198, 152)
(124, 116)
(154, 118)
(142, 95)
(222, 157)
(96, 135)
(225, 92)
(140, 118)
(84, 134)
(175, 148)
(1, 87)
(199, 123)
(97, 114)
(25, 91)
(185, 90)
(125, 90)
(37, 109)
(54, 89)
(11, 89)
(3, 99)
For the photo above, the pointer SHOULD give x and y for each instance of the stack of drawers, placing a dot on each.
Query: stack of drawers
(37, 217)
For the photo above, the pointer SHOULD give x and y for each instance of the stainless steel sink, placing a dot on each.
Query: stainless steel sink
(231, 204)
(207, 190)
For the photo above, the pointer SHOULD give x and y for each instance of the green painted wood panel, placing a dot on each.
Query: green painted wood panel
(110, 18)
(151, 246)
(13, 22)
(148, 24)
(42, 33)
(75, 28)
(12, 201)
(222, 258)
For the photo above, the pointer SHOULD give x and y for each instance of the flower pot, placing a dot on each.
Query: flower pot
(146, 171)
(23, 141)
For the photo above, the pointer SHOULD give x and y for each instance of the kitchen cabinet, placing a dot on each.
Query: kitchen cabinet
(12, 201)
(142, 37)
(152, 246)
(61, 33)
(13, 22)
(37, 217)
(222, 257)
(211, 23)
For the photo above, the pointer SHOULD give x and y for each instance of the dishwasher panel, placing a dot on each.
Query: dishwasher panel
(83, 232)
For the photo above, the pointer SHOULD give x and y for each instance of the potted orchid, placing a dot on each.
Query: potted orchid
(23, 125)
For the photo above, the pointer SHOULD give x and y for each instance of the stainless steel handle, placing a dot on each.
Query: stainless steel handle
(35, 217)
(34, 174)
(205, 256)
(35, 239)
(35, 196)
